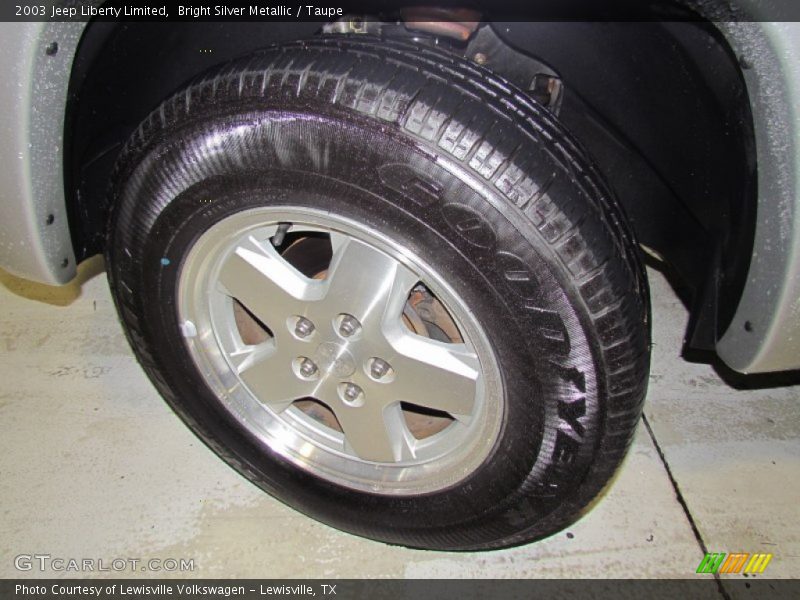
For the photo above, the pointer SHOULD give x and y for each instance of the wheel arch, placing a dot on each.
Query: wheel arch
(702, 223)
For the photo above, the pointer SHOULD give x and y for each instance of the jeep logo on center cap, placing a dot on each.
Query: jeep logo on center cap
(336, 359)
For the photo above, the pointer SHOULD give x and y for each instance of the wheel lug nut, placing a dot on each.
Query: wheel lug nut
(303, 328)
(352, 392)
(307, 367)
(379, 368)
(348, 325)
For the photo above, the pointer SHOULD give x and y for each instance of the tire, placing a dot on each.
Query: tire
(365, 166)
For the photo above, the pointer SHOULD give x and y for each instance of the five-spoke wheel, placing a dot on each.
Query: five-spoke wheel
(335, 367)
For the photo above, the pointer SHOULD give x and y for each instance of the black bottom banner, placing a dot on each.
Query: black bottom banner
(411, 589)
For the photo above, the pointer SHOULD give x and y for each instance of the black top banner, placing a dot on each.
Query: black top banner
(330, 10)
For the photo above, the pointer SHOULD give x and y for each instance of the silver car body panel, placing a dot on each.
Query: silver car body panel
(763, 336)
(33, 98)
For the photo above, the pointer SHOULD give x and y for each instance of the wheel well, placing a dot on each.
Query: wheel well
(121, 72)
(664, 110)
(662, 107)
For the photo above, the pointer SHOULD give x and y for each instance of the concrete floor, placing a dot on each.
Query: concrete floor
(94, 465)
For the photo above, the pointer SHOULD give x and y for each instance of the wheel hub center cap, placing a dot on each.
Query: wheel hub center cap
(335, 359)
